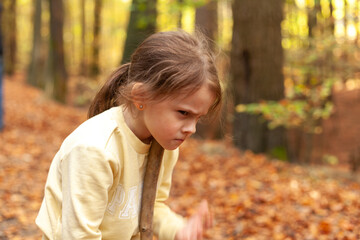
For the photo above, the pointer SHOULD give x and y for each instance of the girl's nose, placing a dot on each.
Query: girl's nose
(190, 127)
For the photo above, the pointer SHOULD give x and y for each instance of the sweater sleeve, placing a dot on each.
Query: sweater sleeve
(166, 222)
(87, 175)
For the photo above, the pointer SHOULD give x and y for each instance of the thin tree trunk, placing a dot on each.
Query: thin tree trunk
(357, 10)
(345, 18)
(312, 22)
(57, 83)
(206, 20)
(35, 72)
(332, 19)
(180, 4)
(95, 68)
(10, 37)
(256, 63)
(312, 18)
(83, 43)
(142, 23)
(1, 72)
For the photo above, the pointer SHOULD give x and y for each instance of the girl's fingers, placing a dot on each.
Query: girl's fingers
(197, 224)
(199, 227)
(206, 215)
(209, 220)
(195, 227)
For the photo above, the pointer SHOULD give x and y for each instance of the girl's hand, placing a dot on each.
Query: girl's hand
(197, 224)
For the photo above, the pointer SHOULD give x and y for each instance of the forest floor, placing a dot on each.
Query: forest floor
(251, 197)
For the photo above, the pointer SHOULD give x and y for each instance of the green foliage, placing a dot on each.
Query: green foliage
(310, 75)
(330, 159)
(290, 113)
(175, 6)
(279, 153)
(189, 3)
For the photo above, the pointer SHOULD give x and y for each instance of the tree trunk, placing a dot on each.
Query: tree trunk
(95, 69)
(142, 23)
(83, 65)
(206, 20)
(357, 10)
(35, 73)
(312, 18)
(345, 18)
(10, 39)
(256, 68)
(308, 137)
(1, 73)
(332, 19)
(180, 4)
(57, 79)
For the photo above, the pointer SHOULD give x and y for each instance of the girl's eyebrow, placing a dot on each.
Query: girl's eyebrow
(192, 112)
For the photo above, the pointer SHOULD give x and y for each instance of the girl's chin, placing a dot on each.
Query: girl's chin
(174, 144)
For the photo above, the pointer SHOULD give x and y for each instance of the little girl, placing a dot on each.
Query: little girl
(94, 186)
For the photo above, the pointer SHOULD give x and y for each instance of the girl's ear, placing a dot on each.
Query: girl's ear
(137, 95)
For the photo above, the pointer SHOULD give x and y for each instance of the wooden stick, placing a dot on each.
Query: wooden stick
(149, 190)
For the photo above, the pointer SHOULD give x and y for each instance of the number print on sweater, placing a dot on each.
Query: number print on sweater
(131, 207)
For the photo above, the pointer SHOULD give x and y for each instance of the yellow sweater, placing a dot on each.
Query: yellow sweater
(93, 190)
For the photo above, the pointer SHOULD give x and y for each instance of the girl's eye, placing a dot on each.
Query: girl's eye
(184, 113)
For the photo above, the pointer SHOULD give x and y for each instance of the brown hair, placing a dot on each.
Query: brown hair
(167, 64)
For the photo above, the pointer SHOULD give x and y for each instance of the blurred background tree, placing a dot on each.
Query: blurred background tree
(56, 77)
(206, 21)
(94, 66)
(10, 38)
(35, 76)
(287, 57)
(1, 72)
(142, 23)
(256, 63)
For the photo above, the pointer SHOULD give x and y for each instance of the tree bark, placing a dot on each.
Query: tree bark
(312, 18)
(256, 69)
(149, 190)
(10, 40)
(95, 68)
(206, 20)
(332, 19)
(180, 4)
(35, 73)
(357, 9)
(142, 23)
(57, 79)
(83, 43)
(345, 18)
(1, 72)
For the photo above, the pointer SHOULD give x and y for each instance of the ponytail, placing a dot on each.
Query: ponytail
(107, 97)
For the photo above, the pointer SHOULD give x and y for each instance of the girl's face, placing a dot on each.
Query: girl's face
(173, 120)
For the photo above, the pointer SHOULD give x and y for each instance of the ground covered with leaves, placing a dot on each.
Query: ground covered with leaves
(251, 197)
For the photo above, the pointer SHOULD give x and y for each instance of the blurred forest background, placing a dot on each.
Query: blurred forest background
(281, 62)
(290, 70)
